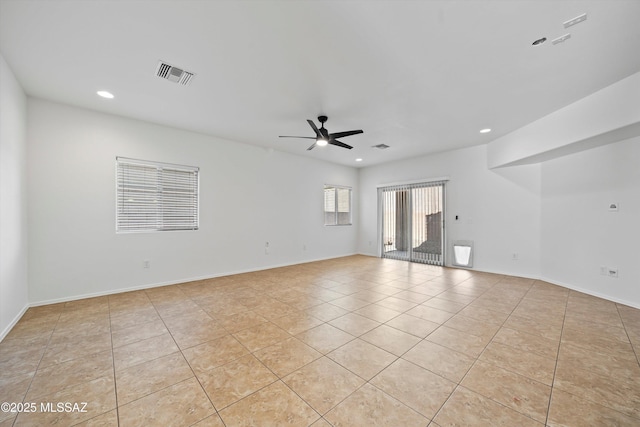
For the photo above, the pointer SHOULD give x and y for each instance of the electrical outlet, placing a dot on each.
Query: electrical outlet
(266, 248)
(604, 270)
(515, 256)
(613, 272)
(146, 264)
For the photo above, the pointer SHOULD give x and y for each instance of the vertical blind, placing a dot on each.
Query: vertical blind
(337, 205)
(152, 196)
(412, 222)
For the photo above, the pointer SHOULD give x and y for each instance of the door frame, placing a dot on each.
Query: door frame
(409, 186)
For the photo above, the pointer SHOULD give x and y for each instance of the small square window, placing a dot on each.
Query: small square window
(337, 205)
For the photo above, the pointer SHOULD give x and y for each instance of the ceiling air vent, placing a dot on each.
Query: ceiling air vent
(174, 74)
(380, 146)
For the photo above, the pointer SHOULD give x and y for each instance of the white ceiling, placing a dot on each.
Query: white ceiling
(420, 76)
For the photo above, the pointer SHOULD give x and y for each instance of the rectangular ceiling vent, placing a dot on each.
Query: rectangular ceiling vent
(578, 19)
(380, 146)
(174, 74)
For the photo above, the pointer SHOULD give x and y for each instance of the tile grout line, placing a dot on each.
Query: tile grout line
(181, 350)
(599, 403)
(555, 368)
(459, 384)
(113, 365)
(400, 357)
(565, 329)
(46, 347)
(624, 326)
(349, 370)
(35, 372)
(181, 353)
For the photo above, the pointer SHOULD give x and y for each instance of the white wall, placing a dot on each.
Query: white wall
(608, 115)
(249, 195)
(580, 234)
(553, 214)
(499, 210)
(13, 200)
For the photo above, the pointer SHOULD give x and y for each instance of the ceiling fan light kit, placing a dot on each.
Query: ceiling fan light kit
(323, 137)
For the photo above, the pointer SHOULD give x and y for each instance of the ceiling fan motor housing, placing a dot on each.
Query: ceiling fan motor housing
(323, 137)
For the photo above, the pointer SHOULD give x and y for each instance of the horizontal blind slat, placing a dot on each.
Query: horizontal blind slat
(155, 196)
(337, 205)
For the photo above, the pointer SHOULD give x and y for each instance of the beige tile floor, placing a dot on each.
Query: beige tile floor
(355, 341)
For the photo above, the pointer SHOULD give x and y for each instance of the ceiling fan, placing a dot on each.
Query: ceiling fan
(323, 137)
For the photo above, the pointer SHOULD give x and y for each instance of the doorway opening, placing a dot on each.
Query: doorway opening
(412, 218)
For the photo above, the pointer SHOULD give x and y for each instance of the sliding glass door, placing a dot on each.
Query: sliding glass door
(412, 222)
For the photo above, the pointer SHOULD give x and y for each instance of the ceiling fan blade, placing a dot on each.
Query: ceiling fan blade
(315, 128)
(303, 137)
(346, 133)
(339, 144)
(312, 145)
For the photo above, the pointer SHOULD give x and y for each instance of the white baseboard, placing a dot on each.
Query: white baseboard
(548, 280)
(13, 322)
(230, 273)
(592, 293)
(177, 281)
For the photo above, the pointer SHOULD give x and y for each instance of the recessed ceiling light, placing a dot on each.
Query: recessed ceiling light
(487, 130)
(358, 159)
(539, 41)
(105, 94)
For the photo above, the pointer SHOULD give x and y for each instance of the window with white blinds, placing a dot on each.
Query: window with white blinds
(152, 196)
(337, 205)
